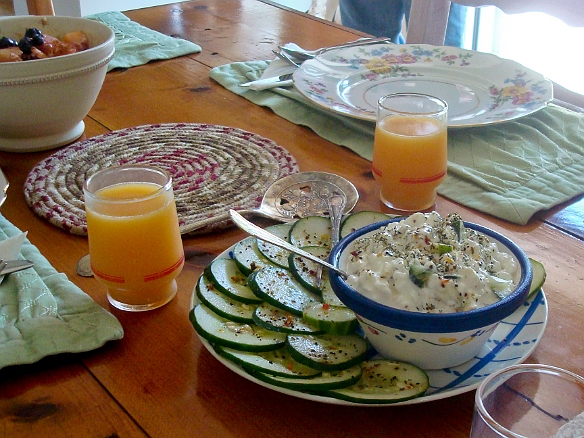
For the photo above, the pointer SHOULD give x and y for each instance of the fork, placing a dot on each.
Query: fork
(303, 55)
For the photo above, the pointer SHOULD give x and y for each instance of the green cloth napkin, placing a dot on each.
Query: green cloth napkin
(510, 170)
(136, 44)
(42, 313)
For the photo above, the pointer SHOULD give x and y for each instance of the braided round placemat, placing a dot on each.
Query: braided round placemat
(214, 168)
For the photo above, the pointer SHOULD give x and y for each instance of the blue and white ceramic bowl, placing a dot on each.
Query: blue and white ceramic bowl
(429, 340)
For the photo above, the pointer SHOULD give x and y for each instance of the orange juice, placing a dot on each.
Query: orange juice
(409, 160)
(134, 242)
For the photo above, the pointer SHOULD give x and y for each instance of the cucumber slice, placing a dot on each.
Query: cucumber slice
(305, 271)
(248, 257)
(222, 305)
(311, 231)
(228, 279)
(277, 362)
(361, 219)
(539, 276)
(328, 295)
(331, 319)
(273, 253)
(420, 275)
(221, 331)
(327, 352)
(278, 287)
(272, 318)
(385, 381)
(326, 381)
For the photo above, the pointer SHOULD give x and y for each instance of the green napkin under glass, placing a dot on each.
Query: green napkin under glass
(510, 170)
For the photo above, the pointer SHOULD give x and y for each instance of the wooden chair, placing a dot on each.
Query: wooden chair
(40, 7)
(428, 20)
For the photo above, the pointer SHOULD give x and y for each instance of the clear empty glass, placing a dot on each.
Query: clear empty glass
(531, 401)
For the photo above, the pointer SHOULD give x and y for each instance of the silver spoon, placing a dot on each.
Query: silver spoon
(266, 236)
(303, 55)
(292, 197)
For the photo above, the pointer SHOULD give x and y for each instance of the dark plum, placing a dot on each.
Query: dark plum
(7, 42)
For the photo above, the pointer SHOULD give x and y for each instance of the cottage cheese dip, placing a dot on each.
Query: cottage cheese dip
(429, 263)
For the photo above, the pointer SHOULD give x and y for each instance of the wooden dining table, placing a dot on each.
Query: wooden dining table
(159, 380)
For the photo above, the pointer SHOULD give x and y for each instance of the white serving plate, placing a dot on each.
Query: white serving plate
(479, 88)
(511, 343)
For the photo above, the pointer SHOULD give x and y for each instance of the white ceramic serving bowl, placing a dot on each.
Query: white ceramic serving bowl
(44, 101)
(429, 340)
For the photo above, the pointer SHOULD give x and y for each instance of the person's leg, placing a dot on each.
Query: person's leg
(380, 18)
(456, 25)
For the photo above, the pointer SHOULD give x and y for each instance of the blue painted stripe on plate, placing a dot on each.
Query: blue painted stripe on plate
(493, 353)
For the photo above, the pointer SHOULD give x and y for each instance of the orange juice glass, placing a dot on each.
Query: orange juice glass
(135, 246)
(409, 152)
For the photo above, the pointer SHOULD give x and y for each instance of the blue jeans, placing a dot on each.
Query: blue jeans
(383, 18)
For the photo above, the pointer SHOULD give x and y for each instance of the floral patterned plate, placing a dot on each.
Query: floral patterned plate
(479, 88)
(512, 341)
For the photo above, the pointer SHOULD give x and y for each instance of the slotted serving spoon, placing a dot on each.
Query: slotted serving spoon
(295, 196)
(292, 197)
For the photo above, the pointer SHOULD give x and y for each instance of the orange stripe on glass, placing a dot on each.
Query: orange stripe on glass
(165, 272)
(426, 179)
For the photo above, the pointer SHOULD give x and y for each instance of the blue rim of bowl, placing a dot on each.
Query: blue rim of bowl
(432, 322)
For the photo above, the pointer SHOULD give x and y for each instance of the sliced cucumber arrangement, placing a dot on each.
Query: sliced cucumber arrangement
(265, 311)
(306, 271)
(539, 276)
(324, 382)
(248, 257)
(385, 381)
(311, 231)
(276, 362)
(272, 318)
(361, 219)
(227, 278)
(327, 352)
(221, 331)
(222, 305)
(336, 320)
(273, 253)
(278, 287)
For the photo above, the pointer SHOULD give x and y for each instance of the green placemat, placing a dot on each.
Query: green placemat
(137, 45)
(42, 313)
(510, 170)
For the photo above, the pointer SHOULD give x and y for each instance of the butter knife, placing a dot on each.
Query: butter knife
(3, 187)
(276, 81)
(10, 266)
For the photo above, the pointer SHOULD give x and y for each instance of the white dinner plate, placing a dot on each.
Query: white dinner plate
(511, 343)
(479, 88)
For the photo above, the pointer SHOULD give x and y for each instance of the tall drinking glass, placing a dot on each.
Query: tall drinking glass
(409, 152)
(135, 245)
(529, 401)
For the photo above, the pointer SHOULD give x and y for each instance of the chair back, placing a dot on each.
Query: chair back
(40, 7)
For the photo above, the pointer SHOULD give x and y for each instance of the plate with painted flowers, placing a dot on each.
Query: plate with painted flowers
(480, 88)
